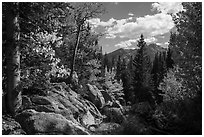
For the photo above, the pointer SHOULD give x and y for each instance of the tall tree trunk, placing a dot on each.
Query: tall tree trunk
(13, 95)
(75, 51)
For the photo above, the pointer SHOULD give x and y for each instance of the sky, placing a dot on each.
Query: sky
(124, 22)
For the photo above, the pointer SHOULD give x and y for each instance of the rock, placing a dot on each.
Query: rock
(11, 127)
(88, 119)
(62, 101)
(43, 108)
(60, 104)
(41, 100)
(108, 129)
(34, 122)
(95, 96)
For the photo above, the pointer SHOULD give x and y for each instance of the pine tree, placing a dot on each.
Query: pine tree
(138, 64)
(118, 69)
(126, 80)
(155, 69)
(113, 63)
(130, 64)
(123, 65)
(169, 60)
(105, 61)
(157, 74)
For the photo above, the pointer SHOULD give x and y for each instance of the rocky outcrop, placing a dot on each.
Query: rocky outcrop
(34, 122)
(71, 113)
(95, 96)
(109, 129)
(63, 111)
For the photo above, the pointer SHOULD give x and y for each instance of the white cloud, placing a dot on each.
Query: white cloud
(97, 22)
(168, 7)
(163, 45)
(149, 25)
(126, 44)
(159, 44)
(150, 40)
(94, 22)
(130, 14)
(110, 36)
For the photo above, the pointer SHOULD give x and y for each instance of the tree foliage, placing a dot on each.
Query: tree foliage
(187, 45)
(48, 33)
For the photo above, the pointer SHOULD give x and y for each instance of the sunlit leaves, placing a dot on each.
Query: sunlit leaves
(172, 87)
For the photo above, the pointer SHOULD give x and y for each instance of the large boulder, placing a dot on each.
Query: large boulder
(95, 96)
(63, 101)
(34, 122)
(88, 119)
(108, 129)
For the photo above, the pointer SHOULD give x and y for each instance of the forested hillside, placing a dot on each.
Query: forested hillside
(57, 81)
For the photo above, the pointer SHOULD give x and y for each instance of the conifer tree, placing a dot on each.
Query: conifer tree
(105, 61)
(169, 60)
(157, 74)
(113, 63)
(126, 80)
(138, 64)
(118, 69)
(130, 65)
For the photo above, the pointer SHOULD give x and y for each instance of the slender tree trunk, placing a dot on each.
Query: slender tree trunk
(75, 51)
(13, 95)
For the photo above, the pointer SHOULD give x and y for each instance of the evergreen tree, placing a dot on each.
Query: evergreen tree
(118, 69)
(123, 65)
(155, 69)
(138, 64)
(126, 80)
(169, 60)
(156, 75)
(105, 61)
(130, 65)
(113, 63)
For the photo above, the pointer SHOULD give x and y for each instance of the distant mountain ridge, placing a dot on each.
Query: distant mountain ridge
(150, 49)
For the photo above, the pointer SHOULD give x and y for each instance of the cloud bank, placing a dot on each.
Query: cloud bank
(168, 7)
(132, 27)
